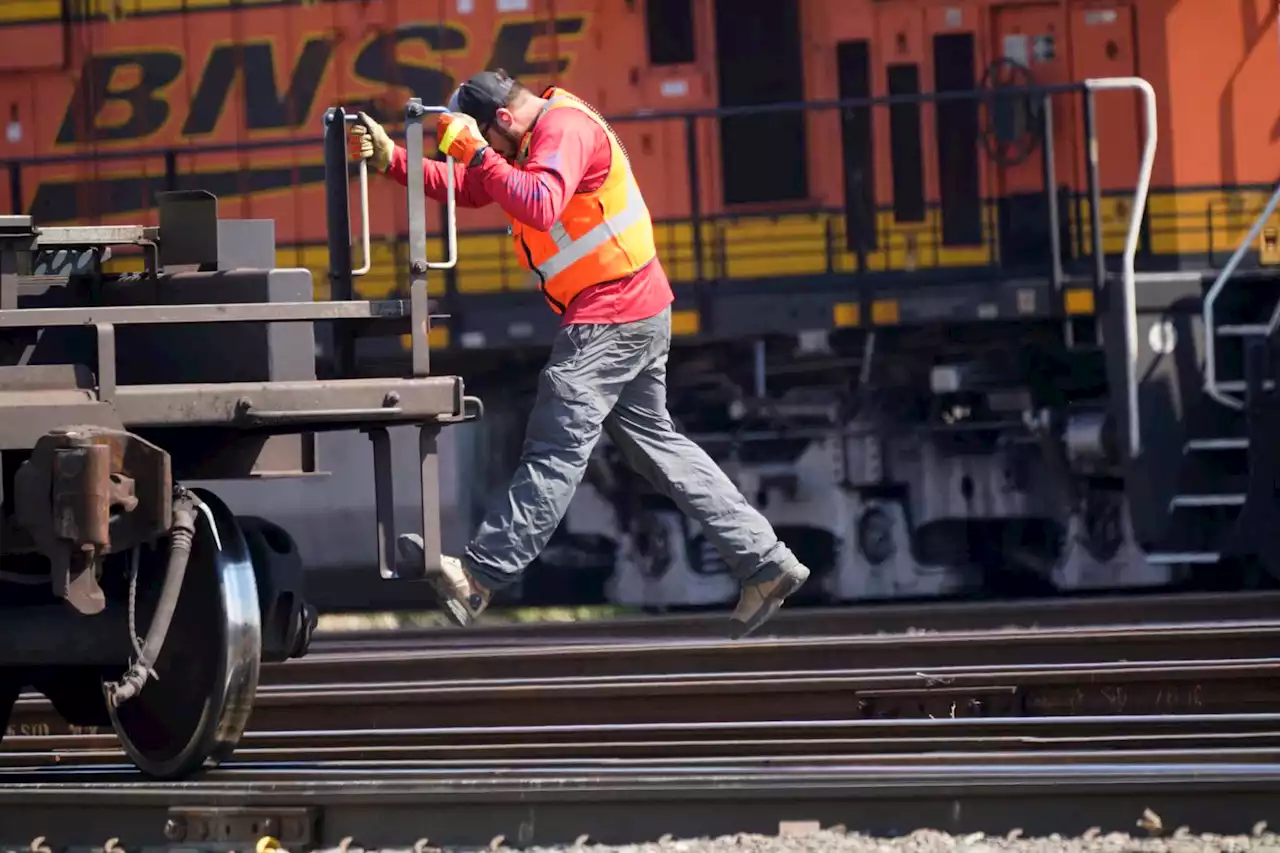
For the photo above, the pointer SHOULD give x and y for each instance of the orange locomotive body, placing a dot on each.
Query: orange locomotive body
(897, 194)
(108, 101)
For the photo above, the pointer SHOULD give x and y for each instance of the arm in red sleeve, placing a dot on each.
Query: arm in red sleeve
(469, 190)
(563, 145)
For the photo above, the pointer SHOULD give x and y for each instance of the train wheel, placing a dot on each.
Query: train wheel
(192, 712)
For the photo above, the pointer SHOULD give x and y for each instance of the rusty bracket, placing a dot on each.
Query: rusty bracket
(87, 492)
(293, 827)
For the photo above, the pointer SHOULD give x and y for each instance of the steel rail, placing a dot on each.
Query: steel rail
(408, 669)
(320, 769)
(108, 761)
(655, 743)
(285, 779)
(1152, 686)
(387, 807)
(793, 621)
(1238, 639)
(1208, 747)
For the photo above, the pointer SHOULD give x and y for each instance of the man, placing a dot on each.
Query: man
(582, 231)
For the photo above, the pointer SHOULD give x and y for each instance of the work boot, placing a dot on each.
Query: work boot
(460, 596)
(759, 601)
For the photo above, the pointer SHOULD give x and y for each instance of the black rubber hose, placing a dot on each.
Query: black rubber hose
(181, 537)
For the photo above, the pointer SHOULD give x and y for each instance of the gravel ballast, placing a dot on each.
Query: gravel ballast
(837, 840)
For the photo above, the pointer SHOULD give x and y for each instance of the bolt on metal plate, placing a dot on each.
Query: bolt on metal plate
(292, 827)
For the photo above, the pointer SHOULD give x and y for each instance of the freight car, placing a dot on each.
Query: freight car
(898, 247)
(128, 596)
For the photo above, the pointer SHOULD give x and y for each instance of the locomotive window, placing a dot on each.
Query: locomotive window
(958, 185)
(853, 63)
(907, 162)
(746, 30)
(670, 31)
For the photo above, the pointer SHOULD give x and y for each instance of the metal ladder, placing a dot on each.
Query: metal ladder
(1228, 393)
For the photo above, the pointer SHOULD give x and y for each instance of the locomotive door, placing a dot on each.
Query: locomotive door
(1102, 45)
(956, 47)
(1030, 48)
(900, 131)
(753, 170)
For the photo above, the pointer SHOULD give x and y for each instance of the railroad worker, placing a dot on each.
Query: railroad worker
(581, 229)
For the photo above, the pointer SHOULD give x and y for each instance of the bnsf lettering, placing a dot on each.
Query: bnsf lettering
(107, 81)
(264, 107)
(511, 48)
(124, 96)
(378, 63)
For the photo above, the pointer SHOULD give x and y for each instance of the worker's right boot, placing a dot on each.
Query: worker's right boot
(759, 601)
(460, 596)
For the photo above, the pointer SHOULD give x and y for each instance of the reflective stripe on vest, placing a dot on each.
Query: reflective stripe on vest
(571, 251)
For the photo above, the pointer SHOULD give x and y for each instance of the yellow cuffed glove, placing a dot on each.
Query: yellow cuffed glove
(368, 141)
(459, 137)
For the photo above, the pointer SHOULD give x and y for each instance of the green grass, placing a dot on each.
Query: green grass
(503, 616)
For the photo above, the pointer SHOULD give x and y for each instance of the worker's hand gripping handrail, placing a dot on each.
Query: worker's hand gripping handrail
(1128, 273)
(414, 113)
(419, 317)
(365, 241)
(338, 204)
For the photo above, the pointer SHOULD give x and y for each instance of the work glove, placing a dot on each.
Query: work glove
(369, 141)
(459, 137)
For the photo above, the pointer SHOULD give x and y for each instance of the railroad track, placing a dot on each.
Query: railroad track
(313, 805)
(1054, 729)
(1158, 702)
(892, 618)
(1244, 738)
(403, 665)
(1199, 668)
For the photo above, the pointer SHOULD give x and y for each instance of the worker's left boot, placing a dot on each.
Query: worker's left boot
(460, 596)
(759, 601)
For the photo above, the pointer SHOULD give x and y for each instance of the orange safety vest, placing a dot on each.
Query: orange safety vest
(603, 235)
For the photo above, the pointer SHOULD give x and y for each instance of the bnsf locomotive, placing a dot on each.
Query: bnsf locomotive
(901, 233)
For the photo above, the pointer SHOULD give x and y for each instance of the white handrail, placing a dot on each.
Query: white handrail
(1128, 273)
(413, 146)
(1211, 386)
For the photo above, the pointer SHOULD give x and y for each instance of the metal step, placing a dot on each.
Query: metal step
(1244, 330)
(1237, 386)
(1173, 558)
(1200, 444)
(1189, 501)
(1168, 276)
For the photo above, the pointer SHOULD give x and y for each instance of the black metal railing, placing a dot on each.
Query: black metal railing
(1024, 229)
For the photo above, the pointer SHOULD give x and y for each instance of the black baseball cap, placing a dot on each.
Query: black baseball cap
(482, 95)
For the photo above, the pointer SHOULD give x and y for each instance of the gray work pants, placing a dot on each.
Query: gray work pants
(614, 378)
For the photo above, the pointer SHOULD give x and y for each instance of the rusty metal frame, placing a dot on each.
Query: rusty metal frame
(420, 333)
(416, 206)
(272, 407)
(292, 406)
(414, 114)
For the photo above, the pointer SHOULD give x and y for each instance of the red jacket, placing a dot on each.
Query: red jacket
(568, 153)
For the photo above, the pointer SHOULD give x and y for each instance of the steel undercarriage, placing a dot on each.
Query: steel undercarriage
(128, 596)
